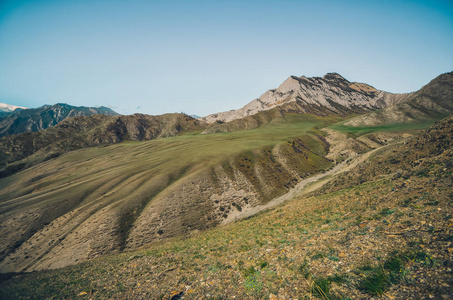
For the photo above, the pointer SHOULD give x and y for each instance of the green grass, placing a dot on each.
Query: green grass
(379, 278)
(362, 130)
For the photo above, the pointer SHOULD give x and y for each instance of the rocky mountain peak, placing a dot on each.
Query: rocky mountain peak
(330, 94)
(334, 76)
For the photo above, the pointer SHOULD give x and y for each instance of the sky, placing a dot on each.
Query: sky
(202, 57)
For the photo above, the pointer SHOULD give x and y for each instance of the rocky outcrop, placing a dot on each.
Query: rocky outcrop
(331, 94)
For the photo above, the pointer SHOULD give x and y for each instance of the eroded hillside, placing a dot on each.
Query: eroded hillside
(100, 200)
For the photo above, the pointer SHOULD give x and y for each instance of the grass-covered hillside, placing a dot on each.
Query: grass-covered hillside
(381, 229)
(112, 198)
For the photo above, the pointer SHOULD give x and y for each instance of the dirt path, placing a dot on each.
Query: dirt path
(303, 187)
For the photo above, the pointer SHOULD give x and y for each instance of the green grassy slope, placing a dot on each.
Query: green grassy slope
(396, 127)
(384, 228)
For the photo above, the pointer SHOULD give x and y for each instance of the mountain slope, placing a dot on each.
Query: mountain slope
(432, 102)
(331, 94)
(87, 131)
(35, 119)
(384, 229)
(99, 200)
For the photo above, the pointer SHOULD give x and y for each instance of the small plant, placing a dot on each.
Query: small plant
(321, 288)
(422, 257)
(249, 271)
(253, 284)
(379, 278)
(303, 268)
(386, 211)
(334, 258)
(374, 283)
(318, 255)
(337, 278)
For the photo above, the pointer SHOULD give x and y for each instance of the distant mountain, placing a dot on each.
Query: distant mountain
(31, 120)
(331, 94)
(9, 108)
(6, 109)
(432, 102)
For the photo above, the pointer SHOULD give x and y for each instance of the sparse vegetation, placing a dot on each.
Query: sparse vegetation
(363, 234)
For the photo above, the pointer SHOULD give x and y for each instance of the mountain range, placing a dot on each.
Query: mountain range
(93, 185)
(35, 119)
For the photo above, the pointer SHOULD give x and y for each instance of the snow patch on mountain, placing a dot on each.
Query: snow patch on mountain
(10, 108)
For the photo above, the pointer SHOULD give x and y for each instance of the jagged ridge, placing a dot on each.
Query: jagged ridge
(331, 94)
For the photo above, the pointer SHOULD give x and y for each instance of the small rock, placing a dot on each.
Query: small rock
(273, 297)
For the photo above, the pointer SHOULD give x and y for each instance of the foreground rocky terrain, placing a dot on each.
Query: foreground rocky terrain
(383, 228)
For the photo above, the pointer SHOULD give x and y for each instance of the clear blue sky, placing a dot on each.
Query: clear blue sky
(202, 57)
